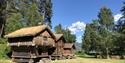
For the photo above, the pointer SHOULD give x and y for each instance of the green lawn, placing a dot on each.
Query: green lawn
(79, 60)
(89, 60)
(5, 61)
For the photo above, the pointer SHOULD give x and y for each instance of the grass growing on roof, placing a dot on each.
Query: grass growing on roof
(28, 31)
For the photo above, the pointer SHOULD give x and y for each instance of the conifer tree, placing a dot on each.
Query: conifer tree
(98, 35)
(45, 9)
(120, 28)
(106, 22)
(70, 38)
(3, 5)
(58, 29)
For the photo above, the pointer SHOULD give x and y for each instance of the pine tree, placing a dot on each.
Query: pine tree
(98, 35)
(13, 23)
(91, 38)
(29, 11)
(58, 29)
(45, 8)
(120, 28)
(86, 40)
(123, 10)
(3, 5)
(121, 22)
(106, 22)
(106, 18)
(70, 38)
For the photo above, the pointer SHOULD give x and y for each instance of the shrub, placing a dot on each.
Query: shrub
(3, 40)
(4, 49)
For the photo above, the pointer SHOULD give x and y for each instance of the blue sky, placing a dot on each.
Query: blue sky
(74, 14)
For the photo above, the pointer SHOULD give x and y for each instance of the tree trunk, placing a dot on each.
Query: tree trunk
(3, 4)
(107, 53)
(1, 30)
(100, 55)
(2, 24)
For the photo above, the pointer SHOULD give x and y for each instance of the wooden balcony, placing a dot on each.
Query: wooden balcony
(21, 54)
(40, 41)
(21, 60)
(43, 55)
(22, 44)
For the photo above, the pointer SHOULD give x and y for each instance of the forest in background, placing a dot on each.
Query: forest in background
(104, 36)
(16, 14)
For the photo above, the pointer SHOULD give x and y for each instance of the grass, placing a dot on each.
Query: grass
(89, 60)
(83, 58)
(78, 60)
(5, 61)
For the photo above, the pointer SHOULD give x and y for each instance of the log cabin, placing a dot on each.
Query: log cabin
(30, 44)
(69, 50)
(60, 41)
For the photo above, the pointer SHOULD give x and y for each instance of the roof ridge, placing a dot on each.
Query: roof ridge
(27, 31)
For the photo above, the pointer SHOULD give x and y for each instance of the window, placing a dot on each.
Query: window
(45, 38)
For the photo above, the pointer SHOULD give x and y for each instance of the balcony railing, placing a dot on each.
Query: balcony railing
(21, 54)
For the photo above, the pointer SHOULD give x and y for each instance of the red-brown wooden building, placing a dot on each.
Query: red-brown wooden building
(60, 41)
(31, 43)
(69, 50)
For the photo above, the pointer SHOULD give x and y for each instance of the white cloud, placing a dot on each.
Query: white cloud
(117, 17)
(77, 27)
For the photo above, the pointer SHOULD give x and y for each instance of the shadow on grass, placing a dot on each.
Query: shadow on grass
(86, 56)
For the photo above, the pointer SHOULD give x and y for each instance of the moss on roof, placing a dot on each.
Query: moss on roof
(58, 36)
(28, 31)
(68, 45)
